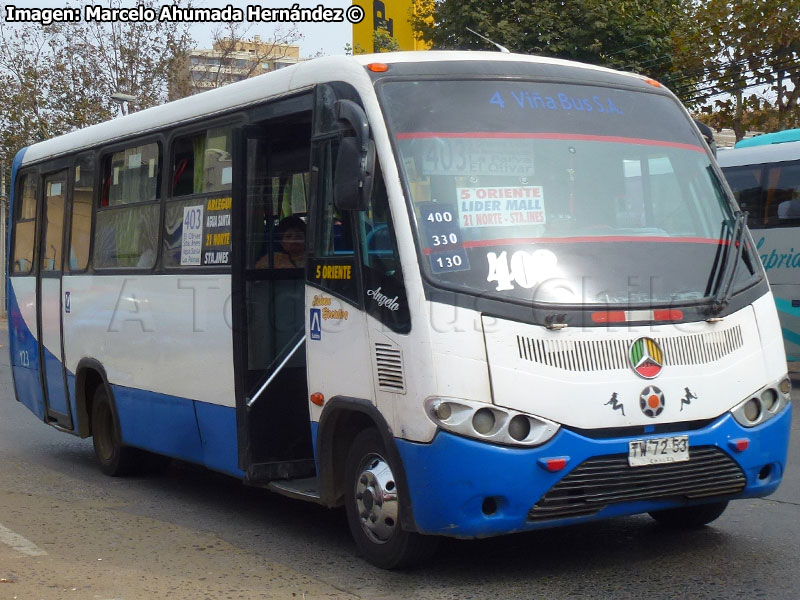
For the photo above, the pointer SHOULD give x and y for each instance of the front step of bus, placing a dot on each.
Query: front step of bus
(302, 489)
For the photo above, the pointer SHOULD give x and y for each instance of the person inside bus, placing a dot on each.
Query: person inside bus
(291, 233)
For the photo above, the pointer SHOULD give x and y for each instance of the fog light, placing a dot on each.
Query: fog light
(443, 411)
(752, 410)
(519, 428)
(483, 421)
(769, 398)
(785, 386)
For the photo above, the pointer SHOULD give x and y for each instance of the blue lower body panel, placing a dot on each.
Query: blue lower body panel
(197, 432)
(450, 478)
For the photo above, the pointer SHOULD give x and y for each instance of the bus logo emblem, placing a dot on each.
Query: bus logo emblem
(315, 324)
(651, 401)
(646, 357)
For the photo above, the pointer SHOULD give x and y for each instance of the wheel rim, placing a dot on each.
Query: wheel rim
(104, 433)
(376, 498)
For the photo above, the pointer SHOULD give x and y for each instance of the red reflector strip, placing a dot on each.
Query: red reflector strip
(554, 464)
(623, 316)
(612, 316)
(740, 445)
(670, 314)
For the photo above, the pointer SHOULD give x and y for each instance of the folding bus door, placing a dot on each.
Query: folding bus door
(270, 196)
(51, 348)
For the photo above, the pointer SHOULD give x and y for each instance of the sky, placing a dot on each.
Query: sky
(327, 38)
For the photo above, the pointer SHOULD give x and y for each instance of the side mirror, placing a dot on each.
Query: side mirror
(355, 160)
(708, 135)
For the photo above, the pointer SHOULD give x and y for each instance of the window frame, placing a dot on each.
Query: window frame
(232, 120)
(106, 153)
(93, 156)
(15, 220)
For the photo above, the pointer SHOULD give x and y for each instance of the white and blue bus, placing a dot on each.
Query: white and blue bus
(764, 174)
(461, 294)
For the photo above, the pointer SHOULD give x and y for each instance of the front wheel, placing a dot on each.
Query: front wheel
(689, 517)
(373, 507)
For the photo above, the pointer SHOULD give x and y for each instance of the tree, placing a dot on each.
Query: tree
(233, 56)
(630, 34)
(382, 41)
(136, 58)
(59, 78)
(747, 55)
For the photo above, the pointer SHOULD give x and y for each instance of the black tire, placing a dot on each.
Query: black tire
(689, 517)
(369, 480)
(115, 459)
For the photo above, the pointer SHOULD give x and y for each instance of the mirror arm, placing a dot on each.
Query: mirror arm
(352, 114)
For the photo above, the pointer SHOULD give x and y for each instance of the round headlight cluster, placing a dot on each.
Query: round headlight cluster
(488, 422)
(763, 405)
(752, 410)
(483, 421)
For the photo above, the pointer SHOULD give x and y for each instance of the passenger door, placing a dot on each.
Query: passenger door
(270, 196)
(51, 304)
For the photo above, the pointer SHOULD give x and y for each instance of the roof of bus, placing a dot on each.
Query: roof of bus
(757, 155)
(778, 137)
(284, 81)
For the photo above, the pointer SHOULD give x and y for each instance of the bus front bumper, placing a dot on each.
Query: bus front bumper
(465, 488)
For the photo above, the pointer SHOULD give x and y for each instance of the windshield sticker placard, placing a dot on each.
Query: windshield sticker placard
(217, 242)
(477, 156)
(192, 242)
(442, 237)
(500, 206)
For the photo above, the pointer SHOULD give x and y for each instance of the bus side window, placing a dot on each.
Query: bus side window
(127, 220)
(333, 266)
(25, 227)
(81, 230)
(384, 292)
(55, 193)
(783, 196)
(746, 184)
(200, 182)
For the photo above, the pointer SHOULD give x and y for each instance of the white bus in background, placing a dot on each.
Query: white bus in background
(462, 294)
(764, 174)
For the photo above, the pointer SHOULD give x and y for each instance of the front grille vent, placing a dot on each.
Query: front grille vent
(389, 368)
(609, 355)
(605, 480)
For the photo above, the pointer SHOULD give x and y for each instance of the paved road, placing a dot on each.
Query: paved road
(66, 531)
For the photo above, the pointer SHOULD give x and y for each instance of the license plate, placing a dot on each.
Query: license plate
(657, 451)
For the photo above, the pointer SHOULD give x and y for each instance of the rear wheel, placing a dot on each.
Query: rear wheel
(689, 517)
(114, 458)
(373, 507)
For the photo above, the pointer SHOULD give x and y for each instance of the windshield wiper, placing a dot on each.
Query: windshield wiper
(722, 292)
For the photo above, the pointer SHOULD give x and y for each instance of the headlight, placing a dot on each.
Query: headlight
(488, 422)
(763, 405)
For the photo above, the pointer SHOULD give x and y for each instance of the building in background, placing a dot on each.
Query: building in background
(726, 138)
(232, 60)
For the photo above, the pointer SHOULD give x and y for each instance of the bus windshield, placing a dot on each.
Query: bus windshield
(560, 193)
